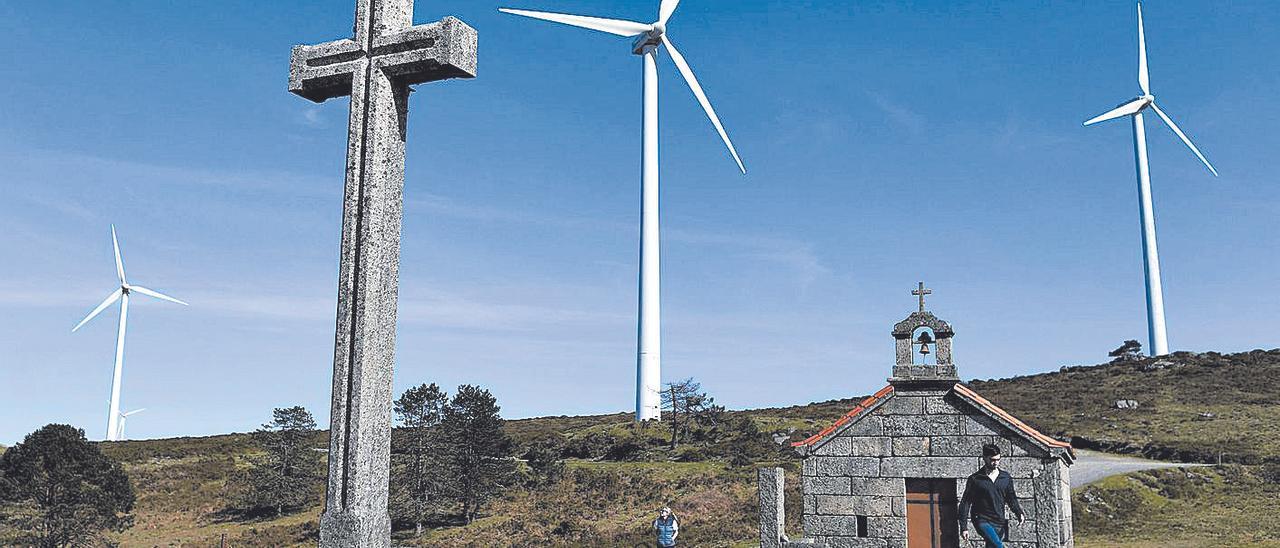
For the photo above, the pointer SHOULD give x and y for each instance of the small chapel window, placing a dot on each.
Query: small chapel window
(862, 526)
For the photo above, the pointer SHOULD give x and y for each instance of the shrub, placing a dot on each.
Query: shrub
(545, 464)
(591, 446)
(1270, 473)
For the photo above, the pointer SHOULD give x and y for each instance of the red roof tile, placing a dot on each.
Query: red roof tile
(866, 404)
(985, 403)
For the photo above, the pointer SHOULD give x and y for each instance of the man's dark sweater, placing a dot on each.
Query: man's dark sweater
(985, 499)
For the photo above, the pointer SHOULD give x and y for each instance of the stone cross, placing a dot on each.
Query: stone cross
(921, 291)
(375, 69)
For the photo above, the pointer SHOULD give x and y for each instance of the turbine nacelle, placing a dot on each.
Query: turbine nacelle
(646, 42)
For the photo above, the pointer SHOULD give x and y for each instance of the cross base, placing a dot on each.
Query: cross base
(350, 529)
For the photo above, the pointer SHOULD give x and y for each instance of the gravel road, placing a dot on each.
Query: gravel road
(1091, 466)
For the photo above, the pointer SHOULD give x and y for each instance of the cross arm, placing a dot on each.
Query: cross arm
(324, 71)
(413, 55)
(426, 53)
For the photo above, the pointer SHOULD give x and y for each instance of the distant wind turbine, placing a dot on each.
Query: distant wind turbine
(122, 294)
(1158, 339)
(123, 416)
(650, 36)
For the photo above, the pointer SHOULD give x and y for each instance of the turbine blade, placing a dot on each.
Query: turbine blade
(611, 26)
(1183, 136)
(133, 412)
(689, 78)
(105, 303)
(667, 8)
(119, 263)
(1122, 110)
(1144, 80)
(155, 294)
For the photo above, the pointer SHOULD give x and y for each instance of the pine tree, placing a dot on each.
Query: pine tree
(287, 476)
(481, 452)
(419, 483)
(68, 493)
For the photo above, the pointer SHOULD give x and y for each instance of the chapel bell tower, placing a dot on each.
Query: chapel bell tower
(923, 348)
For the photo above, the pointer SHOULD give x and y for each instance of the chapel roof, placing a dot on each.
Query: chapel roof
(1050, 445)
(985, 404)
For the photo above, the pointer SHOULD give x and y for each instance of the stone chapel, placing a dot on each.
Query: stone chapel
(890, 472)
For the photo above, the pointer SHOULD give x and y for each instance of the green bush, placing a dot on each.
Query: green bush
(691, 454)
(594, 445)
(545, 463)
(1270, 473)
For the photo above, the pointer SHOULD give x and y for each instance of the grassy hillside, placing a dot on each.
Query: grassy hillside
(618, 473)
(1192, 406)
(1222, 506)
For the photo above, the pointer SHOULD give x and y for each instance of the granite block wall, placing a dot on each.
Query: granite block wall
(855, 481)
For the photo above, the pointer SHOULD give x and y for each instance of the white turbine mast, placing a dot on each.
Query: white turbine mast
(649, 38)
(114, 427)
(123, 416)
(1156, 333)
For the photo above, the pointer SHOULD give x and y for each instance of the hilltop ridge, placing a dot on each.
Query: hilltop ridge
(1189, 407)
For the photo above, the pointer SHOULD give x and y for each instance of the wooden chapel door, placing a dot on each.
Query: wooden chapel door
(931, 513)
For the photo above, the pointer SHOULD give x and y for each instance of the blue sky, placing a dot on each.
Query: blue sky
(885, 143)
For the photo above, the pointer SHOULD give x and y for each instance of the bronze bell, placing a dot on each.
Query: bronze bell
(924, 339)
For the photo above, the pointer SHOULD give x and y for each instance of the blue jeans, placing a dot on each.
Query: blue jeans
(991, 533)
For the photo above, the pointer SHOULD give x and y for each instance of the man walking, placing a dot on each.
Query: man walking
(667, 528)
(986, 493)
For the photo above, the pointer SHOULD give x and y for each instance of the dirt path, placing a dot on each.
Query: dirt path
(1091, 466)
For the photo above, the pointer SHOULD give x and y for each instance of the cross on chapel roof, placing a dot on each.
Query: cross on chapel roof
(921, 292)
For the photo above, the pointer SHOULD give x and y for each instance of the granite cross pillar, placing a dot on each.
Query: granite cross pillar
(772, 513)
(375, 69)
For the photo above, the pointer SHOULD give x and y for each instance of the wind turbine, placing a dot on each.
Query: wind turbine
(123, 416)
(649, 37)
(1159, 342)
(121, 294)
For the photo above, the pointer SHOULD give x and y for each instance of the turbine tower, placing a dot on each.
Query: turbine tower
(121, 294)
(649, 38)
(123, 416)
(1157, 337)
